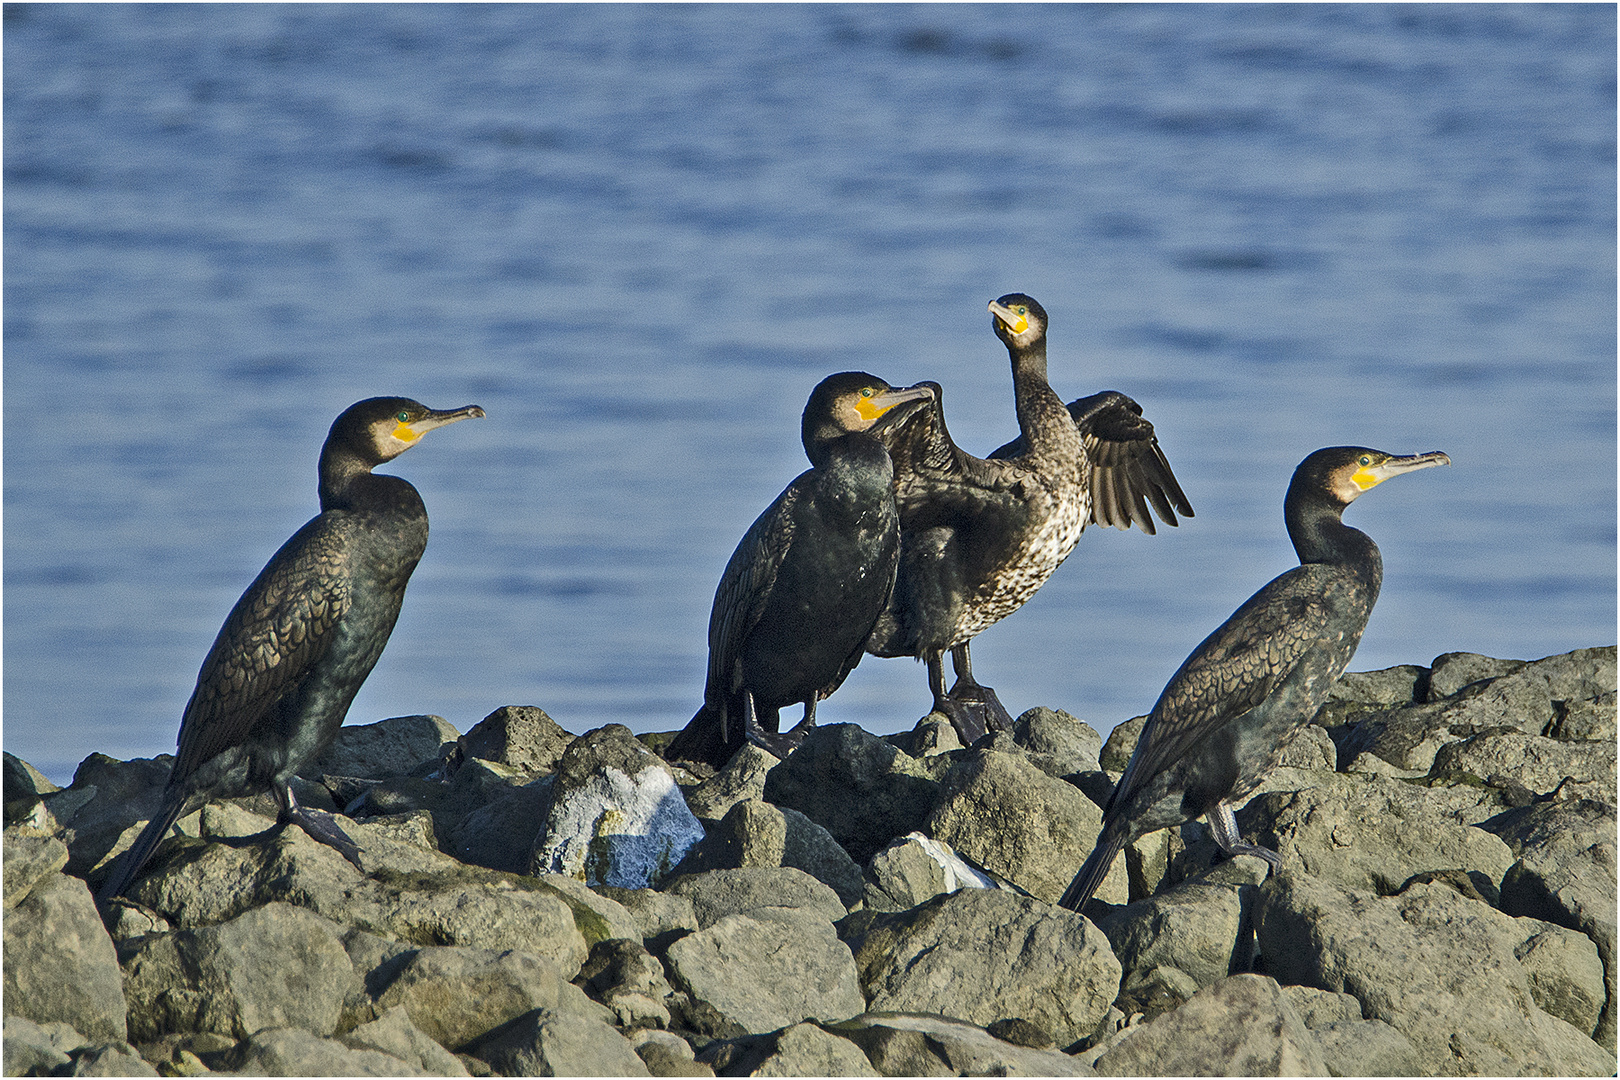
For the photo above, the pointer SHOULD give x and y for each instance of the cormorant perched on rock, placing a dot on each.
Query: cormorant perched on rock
(1232, 707)
(277, 683)
(980, 536)
(808, 579)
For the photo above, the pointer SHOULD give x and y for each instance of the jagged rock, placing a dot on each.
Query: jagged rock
(59, 962)
(393, 1033)
(617, 816)
(1386, 686)
(1148, 993)
(521, 736)
(765, 969)
(546, 1042)
(1367, 1048)
(110, 1059)
(622, 975)
(1019, 823)
(983, 955)
(861, 789)
(915, 868)
(801, 1050)
(1240, 1026)
(1322, 1008)
(1120, 744)
(1202, 926)
(392, 747)
(24, 787)
(1566, 875)
(295, 1052)
(719, 893)
(1566, 975)
(906, 1044)
(1058, 744)
(933, 734)
(28, 861)
(457, 995)
(1310, 748)
(660, 915)
(1593, 719)
(1436, 966)
(756, 834)
(666, 1055)
(272, 967)
(38, 1049)
(740, 780)
(500, 834)
(1450, 672)
(106, 800)
(1368, 832)
(1532, 761)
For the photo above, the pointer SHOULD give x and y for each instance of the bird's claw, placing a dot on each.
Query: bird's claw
(323, 827)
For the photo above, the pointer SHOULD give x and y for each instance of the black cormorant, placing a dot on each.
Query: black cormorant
(809, 577)
(1232, 707)
(981, 535)
(277, 683)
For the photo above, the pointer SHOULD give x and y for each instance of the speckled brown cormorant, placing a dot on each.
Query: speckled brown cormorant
(276, 685)
(981, 535)
(1232, 707)
(808, 579)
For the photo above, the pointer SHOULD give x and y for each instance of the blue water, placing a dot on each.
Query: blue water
(639, 235)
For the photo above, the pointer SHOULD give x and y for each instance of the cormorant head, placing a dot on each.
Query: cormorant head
(850, 402)
(1018, 320)
(382, 428)
(1342, 473)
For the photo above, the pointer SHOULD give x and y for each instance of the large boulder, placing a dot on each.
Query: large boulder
(547, 1042)
(617, 816)
(756, 834)
(911, 1044)
(985, 955)
(1437, 966)
(718, 893)
(392, 747)
(914, 868)
(520, 736)
(1239, 1026)
(60, 964)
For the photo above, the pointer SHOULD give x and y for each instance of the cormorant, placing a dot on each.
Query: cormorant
(1232, 707)
(808, 579)
(981, 535)
(277, 683)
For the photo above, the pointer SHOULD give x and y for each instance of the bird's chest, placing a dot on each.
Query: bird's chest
(1059, 509)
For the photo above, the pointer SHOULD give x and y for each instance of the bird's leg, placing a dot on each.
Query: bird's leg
(1225, 828)
(318, 824)
(974, 695)
(967, 720)
(779, 745)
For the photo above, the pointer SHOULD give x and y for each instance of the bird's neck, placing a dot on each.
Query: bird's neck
(1042, 418)
(1320, 535)
(344, 476)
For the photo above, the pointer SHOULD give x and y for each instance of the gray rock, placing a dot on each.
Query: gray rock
(393, 1033)
(765, 969)
(1120, 744)
(597, 917)
(1531, 761)
(1063, 743)
(1367, 1048)
(908, 1044)
(1310, 748)
(21, 780)
(625, 977)
(38, 1049)
(1387, 686)
(272, 967)
(719, 893)
(756, 834)
(1438, 967)
(107, 800)
(29, 860)
(740, 780)
(807, 1050)
(458, 995)
(1566, 875)
(392, 747)
(546, 1042)
(1240, 1026)
(1369, 832)
(1323, 1008)
(915, 868)
(1014, 820)
(1450, 672)
(617, 816)
(657, 913)
(666, 1055)
(59, 962)
(1566, 975)
(1593, 718)
(933, 734)
(981, 955)
(500, 834)
(110, 1059)
(858, 787)
(1201, 926)
(295, 1052)
(521, 736)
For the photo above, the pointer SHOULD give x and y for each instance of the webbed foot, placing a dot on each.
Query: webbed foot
(319, 825)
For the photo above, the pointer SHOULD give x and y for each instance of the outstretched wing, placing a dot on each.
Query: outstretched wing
(1129, 471)
(1232, 671)
(277, 631)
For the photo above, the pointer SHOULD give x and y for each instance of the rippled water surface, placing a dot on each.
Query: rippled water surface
(639, 235)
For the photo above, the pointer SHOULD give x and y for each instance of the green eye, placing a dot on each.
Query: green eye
(867, 391)
(405, 418)
(1365, 460)
(1022, 310)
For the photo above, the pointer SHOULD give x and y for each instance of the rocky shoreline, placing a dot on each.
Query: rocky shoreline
(535, 903)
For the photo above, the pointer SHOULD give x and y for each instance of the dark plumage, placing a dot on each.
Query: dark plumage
(1232, 707)
(808, 579)
(277, 683)
(981, 535)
